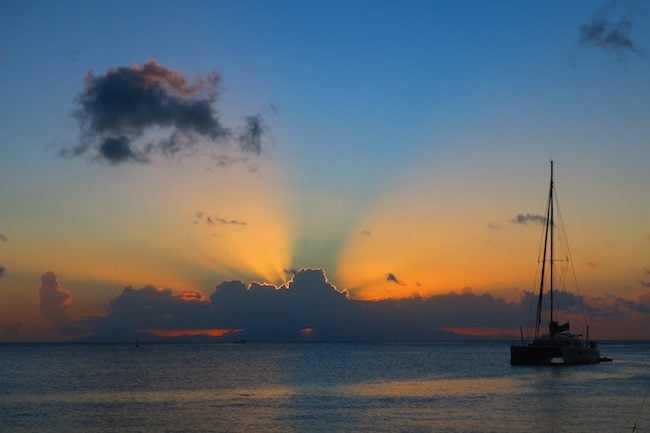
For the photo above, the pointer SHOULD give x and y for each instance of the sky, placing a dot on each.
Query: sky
(364, 170)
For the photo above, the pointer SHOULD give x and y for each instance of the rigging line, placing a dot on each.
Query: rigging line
(538, 320)
(535, 279)
(573, 269)
(531, 305)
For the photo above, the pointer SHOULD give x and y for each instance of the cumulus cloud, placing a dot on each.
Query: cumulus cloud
(610, 34)
(54, 300)
(391, 278)
(529, 217)
(117, 109)
(265, 312)
(3, 238)
(308, 300)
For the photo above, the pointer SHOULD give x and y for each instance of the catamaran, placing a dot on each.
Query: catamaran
(559, 346)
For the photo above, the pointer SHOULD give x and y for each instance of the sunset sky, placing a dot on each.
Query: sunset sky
(169, 147)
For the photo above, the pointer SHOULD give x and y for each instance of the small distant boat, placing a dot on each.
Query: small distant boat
(559, 346)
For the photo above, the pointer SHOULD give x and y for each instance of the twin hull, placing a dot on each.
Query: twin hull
(541, 355)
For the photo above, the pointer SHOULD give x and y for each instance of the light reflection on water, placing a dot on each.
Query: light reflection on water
(468, 387)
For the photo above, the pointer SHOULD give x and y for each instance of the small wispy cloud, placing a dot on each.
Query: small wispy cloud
(610, 34)
(3, 238)
(645, 283)
(220, 220)
(593, 264)
(365, 232)
(3, 271)
(250, 138)
(494, 226)
(201, 217)
(391, 278)
(222, 161)
(529, 217)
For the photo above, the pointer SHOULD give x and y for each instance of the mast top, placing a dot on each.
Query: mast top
(551, 171)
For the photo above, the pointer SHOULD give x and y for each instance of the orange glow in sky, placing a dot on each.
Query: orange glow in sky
(189, 332)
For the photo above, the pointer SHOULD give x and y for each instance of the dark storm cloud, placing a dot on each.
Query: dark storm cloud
(118, 107)
(529, 217)
(54, 300)
(265, 312)
(116, 150)
(611, 35)
(152, 308)
(563, 301)
(391, 278)
(308, 300)
(3, 238)
(250, 138)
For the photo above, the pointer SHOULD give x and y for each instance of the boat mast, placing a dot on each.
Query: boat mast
(549, 217)
(551, 224)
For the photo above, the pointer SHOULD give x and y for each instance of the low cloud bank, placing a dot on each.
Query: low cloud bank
(309, 307)
(54, 300)
(263, 312)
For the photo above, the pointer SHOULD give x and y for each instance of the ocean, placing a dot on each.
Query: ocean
(316, 387)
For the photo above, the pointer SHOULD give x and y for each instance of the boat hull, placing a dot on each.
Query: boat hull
(533, 355)
(545, 355)
(580, 355)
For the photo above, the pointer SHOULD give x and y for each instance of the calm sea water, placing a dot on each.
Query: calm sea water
(319, 387)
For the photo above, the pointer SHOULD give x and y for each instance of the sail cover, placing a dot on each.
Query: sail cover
(556, 328)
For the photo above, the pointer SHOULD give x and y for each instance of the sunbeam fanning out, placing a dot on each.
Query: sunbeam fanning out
(399, 147)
